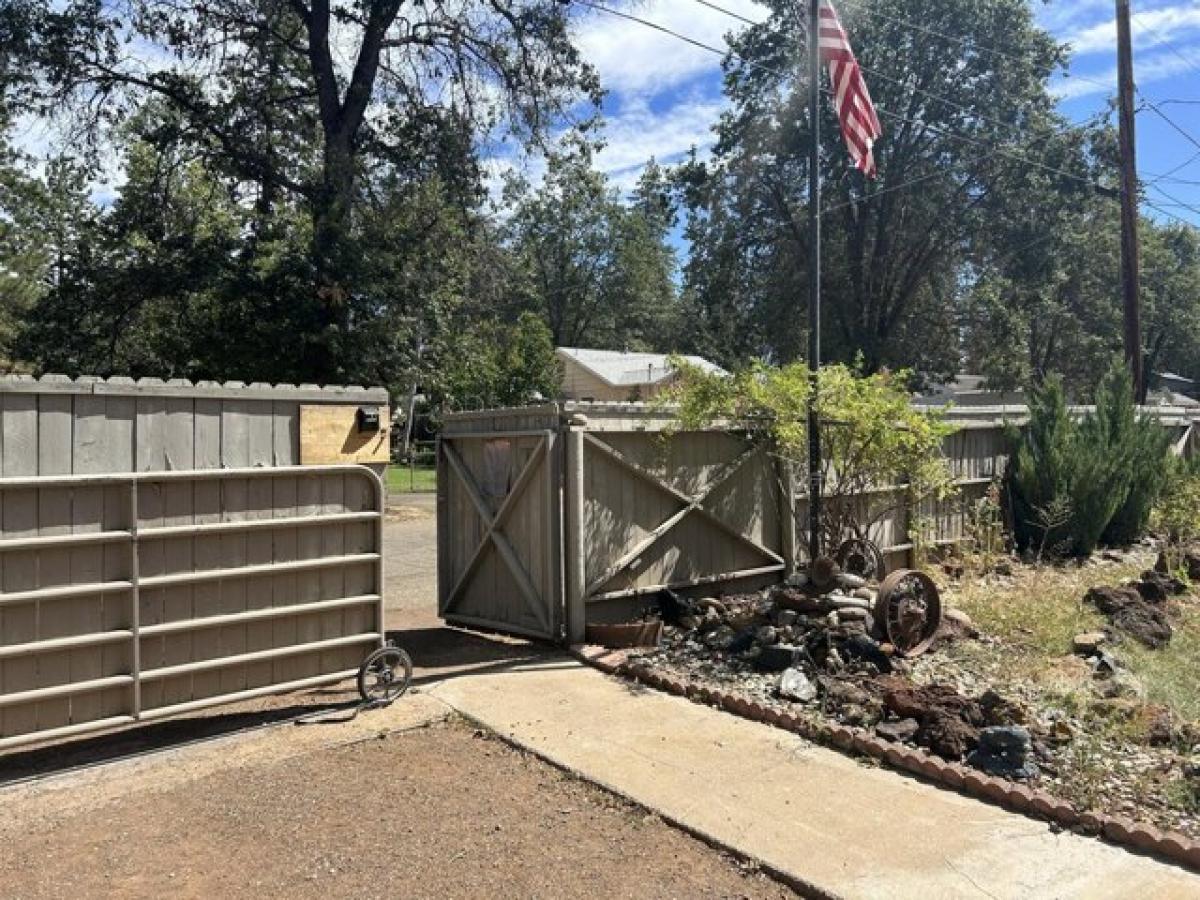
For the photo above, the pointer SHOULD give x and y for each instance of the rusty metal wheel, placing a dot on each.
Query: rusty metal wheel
(910, 609)
(861, 557)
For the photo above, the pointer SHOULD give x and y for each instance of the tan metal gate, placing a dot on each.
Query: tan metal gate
(499, 531)
(131, 597)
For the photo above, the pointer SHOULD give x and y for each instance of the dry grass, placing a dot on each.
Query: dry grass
(1037, 612)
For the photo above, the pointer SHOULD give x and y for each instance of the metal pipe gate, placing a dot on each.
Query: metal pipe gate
(131, 597)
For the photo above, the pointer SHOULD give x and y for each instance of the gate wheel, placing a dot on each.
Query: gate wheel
(385, 675)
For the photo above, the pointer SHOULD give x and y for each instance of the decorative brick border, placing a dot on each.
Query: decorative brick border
(1172, 846)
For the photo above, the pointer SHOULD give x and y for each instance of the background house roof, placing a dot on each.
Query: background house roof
(621, 369)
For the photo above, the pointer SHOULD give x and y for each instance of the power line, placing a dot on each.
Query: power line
(930, 94)
(1175, 200)
(967, 42)
(1191, 64)
(894, 116)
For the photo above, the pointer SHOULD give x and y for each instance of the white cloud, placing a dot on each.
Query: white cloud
(638, 133)
(1150, 29)
(1149, 70)
(633, 58)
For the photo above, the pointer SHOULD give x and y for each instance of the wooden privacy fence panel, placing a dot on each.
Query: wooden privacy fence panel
(59, 426)
(551, 516)
(129, 597)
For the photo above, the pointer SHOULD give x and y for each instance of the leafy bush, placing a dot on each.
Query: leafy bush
(1101, 475)
(873, 437)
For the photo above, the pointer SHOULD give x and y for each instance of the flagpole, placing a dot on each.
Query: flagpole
(814, 280)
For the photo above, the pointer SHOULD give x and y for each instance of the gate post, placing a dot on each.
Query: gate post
(787, 503)
(573, 514)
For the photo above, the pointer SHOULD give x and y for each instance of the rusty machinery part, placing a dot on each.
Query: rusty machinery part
(384, 676)
(909, 608)
(823, 573)
(861, 557)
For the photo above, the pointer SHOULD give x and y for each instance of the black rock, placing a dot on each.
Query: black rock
(777, 657)
(741, 641)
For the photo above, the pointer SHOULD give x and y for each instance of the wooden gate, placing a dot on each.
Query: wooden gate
(499, 531)
(655, 512)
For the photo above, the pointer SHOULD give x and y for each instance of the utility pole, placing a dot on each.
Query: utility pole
(814, 281)
(1129, 206)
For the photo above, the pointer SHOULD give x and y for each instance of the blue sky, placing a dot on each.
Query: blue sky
(664, 95)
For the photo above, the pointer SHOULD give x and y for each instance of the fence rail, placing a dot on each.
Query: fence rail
(135, 596)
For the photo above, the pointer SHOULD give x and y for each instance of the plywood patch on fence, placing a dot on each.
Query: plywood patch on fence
(330, 435)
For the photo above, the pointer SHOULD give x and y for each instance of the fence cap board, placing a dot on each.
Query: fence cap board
(180, 387)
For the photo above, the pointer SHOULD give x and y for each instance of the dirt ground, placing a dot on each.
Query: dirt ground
(443, 811)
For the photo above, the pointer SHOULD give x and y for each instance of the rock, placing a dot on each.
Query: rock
(844, 693)
(1184, 560)
(742, 641)
(842, 601)
(777, 657)
(1130, 613)
(720, 638)
(1088, 643)
(766, 635)
(1004, 750)
(1171, 585)
(948, 737)
(957, 624)
(901, 731)
(1104, 664)
(1152, 590)
(800, 602)
(794, 685)
(1160, 733)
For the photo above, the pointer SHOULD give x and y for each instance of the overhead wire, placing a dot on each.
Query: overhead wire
(772, 71)
(993, 151)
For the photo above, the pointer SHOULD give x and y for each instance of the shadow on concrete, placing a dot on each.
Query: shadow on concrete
(443, 653)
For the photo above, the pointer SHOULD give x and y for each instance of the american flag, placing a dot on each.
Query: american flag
(860, 125)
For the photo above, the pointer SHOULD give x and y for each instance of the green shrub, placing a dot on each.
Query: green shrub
(1100, 477)
(1139, 446)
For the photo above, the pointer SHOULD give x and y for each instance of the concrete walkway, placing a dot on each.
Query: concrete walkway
(828, 822)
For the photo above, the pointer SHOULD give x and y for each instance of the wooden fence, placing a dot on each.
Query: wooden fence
(61, 426)
(557, 515)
